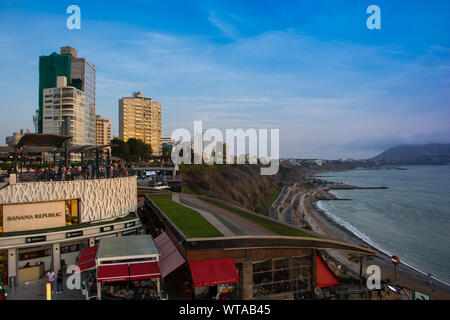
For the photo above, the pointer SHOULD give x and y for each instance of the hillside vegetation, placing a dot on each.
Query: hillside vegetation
(243, 185)
(417, 154)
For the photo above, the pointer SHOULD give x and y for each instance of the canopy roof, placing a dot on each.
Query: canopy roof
(129, 247)
(215, 272)
(42, 140)
(82, 148)
(170, 258)
(131, 271)
(325, 277)
(87, 258)
(6, 149)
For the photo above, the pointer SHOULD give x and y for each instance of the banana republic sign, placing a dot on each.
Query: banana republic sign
(33, 216)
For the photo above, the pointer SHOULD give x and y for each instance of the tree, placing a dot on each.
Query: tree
(139, 150)
(120, 149)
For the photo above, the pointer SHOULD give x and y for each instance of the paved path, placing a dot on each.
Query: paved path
(36, 290)
(223, 229)
(234, 224)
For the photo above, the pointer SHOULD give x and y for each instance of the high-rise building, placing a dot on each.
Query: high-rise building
(103, 130)
(140, 118)
(80, 73)
(15, 138)
(166, 143)
(64, 111)
(50, 67)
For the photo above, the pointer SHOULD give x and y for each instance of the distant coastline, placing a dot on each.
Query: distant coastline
(344, 231)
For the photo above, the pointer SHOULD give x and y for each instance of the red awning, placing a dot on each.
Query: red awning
(207, 273)
(144, 270)
(87, 258)
(170, 258)
(113, 272)
(325, 277)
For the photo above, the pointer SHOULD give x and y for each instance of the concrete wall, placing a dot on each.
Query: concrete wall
(100, 199)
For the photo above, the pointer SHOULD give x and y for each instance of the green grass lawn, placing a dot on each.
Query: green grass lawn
(190, 222)
(273, 226)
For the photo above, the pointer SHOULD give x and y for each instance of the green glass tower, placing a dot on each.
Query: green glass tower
(49, 68)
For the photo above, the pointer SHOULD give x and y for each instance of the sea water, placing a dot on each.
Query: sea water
(410, 219)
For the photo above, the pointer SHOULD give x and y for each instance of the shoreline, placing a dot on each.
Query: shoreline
(407, 276)
(368, 243)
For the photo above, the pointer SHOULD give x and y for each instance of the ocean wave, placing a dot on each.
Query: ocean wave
(368, 240)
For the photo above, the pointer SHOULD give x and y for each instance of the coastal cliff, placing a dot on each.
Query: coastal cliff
(416, 154)
(244, 186)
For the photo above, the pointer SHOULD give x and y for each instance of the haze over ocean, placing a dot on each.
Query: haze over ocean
(410, 219)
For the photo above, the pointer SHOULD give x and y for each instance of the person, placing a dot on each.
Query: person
(430, 279)
(3, 293)
(51, 279)
(59, 282)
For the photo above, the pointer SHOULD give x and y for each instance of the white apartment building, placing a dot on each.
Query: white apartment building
(61, 104)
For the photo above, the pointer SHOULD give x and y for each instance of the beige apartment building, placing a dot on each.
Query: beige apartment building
(103, 130)
(140, 118)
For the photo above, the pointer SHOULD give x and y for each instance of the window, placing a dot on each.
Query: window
(71, 248)
(3, 264)
(1, 218)
(72, 212)
(284, 275)
(34, 254)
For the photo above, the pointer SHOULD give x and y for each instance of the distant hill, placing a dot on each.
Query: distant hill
(434, 153)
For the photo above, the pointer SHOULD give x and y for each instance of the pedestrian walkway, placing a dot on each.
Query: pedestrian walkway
(236, 225)
(208, 216)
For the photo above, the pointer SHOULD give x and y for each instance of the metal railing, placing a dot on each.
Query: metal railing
(72, 174)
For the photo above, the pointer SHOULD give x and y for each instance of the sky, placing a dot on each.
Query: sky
(311, 69)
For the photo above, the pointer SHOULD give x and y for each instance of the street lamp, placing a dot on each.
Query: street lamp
(395, 260)
(398, 289)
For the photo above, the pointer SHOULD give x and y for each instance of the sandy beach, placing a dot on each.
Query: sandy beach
(406, 276)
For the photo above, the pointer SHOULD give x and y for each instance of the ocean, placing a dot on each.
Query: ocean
(410, 219)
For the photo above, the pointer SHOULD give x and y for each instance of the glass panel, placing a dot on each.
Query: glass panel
(262, 266)
(259, 291)
(301, 261)
(1, 218)
(281, 263)
(4, 265)
(281, 287)
(71, 212)
(281, 275)
(259, 278)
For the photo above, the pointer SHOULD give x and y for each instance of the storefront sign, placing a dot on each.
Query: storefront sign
(74, 234)
(33, 216)
(130, 224)
(106, 229)
(35, 239)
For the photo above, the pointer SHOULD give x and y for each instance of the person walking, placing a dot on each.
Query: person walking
(430, 280)
(59, 282)
(51, 279)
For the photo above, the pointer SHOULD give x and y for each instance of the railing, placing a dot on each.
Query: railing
(72, 174)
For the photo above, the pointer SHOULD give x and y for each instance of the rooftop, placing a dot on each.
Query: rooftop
(140, 246)
(190, 222)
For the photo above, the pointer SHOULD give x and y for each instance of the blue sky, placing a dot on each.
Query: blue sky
(334, 88)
